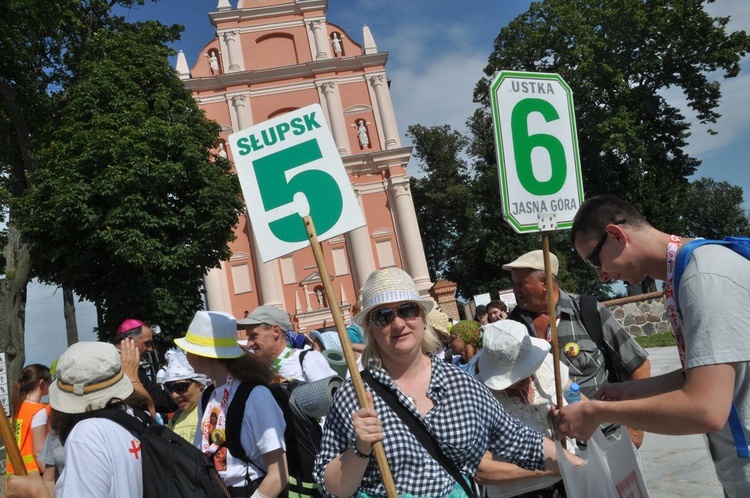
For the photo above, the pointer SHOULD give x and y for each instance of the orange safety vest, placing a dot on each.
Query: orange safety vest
(23, 434)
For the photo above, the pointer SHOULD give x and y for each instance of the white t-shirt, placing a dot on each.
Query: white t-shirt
(102, 460)
(315, 365)
(39, 419)
(262, 431)
(715, 303)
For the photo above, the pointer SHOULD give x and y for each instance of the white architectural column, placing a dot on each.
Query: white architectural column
(411, 240)
(230, 38)
(269, 283)
(336, 116)
(360, 252)
(385, 108)
(321, 39)
(241, 111)
(217, 290)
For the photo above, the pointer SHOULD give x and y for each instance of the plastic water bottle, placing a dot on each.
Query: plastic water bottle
(573, 393)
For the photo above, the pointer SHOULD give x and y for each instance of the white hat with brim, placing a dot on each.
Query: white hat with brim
(329, 339)
(89, 374)
(212, 334)
(533, 260)
(388, 286)
(509, 354)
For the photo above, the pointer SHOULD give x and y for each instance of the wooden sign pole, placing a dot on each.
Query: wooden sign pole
(552, 318)
(346, 346)
(11, 448)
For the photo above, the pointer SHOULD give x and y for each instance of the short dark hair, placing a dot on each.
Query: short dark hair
(597, 212)
(497, 304)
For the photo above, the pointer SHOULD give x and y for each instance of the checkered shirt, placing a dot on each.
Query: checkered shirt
(466, 421)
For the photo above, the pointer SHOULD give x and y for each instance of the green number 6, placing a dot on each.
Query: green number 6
(524, 144)
(318, 187)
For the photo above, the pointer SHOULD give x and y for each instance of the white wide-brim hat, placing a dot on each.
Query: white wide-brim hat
(212, 334)
(89, 374)
(509, 354)
(387, 286)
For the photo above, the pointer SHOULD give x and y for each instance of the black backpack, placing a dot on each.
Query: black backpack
(172, 466)
(302, 435)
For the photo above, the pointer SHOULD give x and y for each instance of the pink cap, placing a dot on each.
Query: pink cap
(129, 324)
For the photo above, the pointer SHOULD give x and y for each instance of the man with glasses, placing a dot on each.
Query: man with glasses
(593, 362)
(709, 310)
(265, 329)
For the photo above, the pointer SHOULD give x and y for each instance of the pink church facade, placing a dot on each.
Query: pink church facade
(274, 56)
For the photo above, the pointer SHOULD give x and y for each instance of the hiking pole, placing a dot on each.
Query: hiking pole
(346, 346)
(552, 319)
(11, 448)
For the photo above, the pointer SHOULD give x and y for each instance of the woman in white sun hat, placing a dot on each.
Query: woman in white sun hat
(99, 453)
(211, 347)
(519, 371)
(185, 386)
(460, 413)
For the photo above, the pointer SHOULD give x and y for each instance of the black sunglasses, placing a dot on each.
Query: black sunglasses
(593, 259)
(179, 387)
(384, 316)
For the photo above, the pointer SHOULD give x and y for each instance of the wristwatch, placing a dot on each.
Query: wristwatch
(359, 453)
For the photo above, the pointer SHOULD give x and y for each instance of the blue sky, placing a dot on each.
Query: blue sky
(437, 50)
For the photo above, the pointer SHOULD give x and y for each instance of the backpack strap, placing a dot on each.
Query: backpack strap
(683, 258)
(592, 322)
(235, 414)
(135, 423)
(302, 360)
(420, 432)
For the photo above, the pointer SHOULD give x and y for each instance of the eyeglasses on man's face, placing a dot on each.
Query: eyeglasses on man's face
(593, 259)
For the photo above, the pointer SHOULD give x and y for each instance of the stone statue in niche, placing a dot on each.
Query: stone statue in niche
(336, 41)
(364, 140)
(319, 293)
(213, 62)
(222, 150)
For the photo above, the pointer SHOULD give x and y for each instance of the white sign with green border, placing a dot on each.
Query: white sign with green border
(537, 150)
(290, 167)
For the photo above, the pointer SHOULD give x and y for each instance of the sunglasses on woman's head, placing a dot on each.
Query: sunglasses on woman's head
(179, 387)
(384, 316)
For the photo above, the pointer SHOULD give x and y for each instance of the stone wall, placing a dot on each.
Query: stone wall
(640, 315)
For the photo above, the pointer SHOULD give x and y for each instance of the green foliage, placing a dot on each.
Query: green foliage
(618, 57)
(714, 209)
(128, 207)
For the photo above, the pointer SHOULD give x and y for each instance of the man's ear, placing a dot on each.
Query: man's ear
(618, 233)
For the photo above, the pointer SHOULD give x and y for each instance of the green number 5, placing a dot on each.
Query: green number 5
(318, 187)
(524, 144)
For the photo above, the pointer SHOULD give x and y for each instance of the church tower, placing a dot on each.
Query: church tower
(271, 57)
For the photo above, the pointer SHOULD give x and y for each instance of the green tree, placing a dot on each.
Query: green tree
(714, 209)
(618, 57)
(130, 208)
(442, 197)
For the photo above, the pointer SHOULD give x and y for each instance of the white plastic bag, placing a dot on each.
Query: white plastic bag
(612, 469)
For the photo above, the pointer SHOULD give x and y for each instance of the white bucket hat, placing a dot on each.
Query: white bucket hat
(534, 260)
(212, 334)
(386, 286)
(329, 339)
(89, 374)
(510, 354)
(179, 369)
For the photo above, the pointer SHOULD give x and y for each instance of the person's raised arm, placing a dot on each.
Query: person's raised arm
(131, 359)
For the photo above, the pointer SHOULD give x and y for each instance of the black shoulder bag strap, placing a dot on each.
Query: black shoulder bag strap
(592, 322)
(420, 431)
